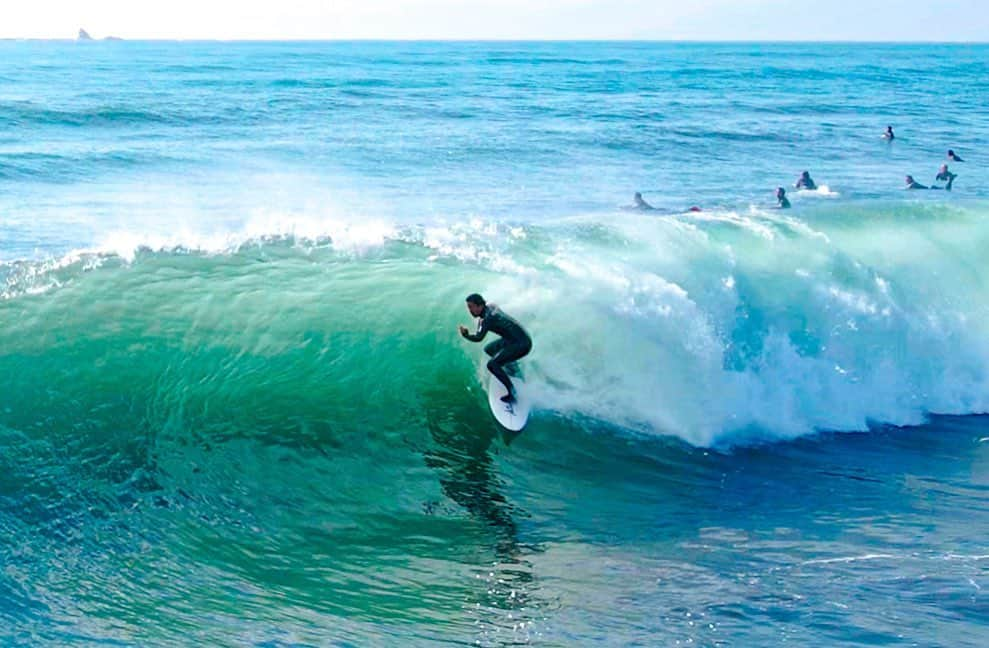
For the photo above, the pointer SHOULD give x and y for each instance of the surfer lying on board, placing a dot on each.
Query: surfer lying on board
(515, 343)
(913, 184)
(638, 202)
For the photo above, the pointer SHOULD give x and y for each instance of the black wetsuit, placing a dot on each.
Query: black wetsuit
(515, 343)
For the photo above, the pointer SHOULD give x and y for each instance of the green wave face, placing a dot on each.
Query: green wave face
(213, 410)
(301, 422)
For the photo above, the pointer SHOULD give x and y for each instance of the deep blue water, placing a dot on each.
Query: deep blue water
(234, 409)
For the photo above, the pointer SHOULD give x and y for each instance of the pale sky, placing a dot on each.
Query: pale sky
(870, 20)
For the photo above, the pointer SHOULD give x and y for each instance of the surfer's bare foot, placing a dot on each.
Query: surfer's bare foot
(508, 398)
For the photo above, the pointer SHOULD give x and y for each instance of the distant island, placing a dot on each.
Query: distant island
(84, 36)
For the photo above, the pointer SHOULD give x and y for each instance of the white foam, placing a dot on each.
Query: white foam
(848, 559)
(822, 191)
(631, 343)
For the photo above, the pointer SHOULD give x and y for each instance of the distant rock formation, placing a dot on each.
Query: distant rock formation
(84, 35)
(113, 38)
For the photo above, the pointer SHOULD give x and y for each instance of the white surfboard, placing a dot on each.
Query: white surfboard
(511, 416)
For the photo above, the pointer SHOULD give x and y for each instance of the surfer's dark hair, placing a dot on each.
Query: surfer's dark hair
(475, 299)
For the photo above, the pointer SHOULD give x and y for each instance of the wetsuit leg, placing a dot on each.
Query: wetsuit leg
(493, 348)
(508, 353)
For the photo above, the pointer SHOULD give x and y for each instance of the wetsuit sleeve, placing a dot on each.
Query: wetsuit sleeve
(482, 330)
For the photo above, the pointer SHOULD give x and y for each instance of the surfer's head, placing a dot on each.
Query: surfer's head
(475, 304)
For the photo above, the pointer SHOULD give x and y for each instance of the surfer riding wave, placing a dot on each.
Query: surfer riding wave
(514, 344)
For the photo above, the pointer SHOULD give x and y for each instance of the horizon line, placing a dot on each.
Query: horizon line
(119, 39)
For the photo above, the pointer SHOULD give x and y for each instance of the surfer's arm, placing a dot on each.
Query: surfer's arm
(482, 330)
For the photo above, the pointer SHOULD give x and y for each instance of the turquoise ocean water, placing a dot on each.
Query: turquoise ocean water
(234, 408)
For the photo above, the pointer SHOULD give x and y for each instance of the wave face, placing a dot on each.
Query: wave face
(712, 327)
(297, 418)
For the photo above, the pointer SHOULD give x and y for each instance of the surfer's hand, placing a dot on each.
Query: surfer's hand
(463, 330)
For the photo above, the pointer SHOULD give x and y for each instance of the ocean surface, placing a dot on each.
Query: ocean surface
(235, 410)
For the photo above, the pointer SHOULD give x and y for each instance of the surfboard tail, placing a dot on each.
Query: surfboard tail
(511, 416)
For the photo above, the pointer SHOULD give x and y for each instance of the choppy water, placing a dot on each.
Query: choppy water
(234, 408)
